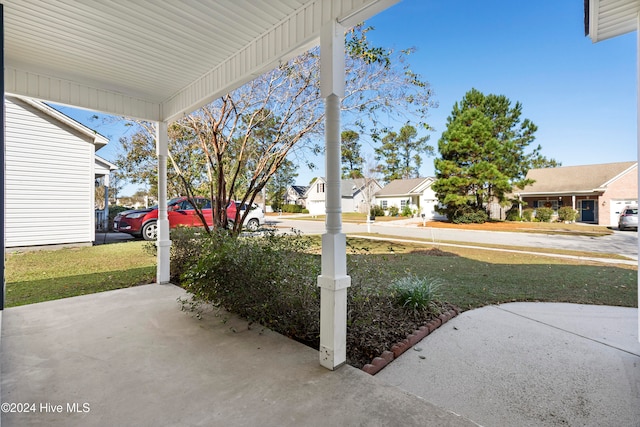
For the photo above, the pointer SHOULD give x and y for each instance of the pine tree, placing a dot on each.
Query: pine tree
(400, 153)
(483, 155)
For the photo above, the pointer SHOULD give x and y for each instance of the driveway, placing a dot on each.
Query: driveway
(530, 364)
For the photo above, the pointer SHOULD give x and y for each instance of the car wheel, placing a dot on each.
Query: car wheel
(150, 231)
(620, 227)
(253, 224)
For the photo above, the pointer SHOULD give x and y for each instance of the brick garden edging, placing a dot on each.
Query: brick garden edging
(412, 339)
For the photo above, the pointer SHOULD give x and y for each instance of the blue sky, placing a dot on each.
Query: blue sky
(582, 96)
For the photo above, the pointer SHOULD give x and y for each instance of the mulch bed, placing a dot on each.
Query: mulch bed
(387, 356)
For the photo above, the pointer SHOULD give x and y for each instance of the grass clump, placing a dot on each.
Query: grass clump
(417, 293)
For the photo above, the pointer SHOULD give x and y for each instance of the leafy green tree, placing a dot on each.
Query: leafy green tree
(351, 159)
(400, 153)
(483, 154)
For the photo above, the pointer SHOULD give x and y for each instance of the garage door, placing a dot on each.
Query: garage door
(616, 208)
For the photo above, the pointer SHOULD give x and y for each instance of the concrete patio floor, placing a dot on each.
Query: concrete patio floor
(130, 357)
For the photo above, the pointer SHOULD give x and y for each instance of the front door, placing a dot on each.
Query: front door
(588, 211)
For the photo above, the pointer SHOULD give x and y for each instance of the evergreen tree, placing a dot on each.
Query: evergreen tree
(400, 153)
(483, 154)
(351, 158)
(279, 182)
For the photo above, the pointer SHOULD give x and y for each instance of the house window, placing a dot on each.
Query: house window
(553, 204)
(383, 204)
(320, 187)
(403, 203)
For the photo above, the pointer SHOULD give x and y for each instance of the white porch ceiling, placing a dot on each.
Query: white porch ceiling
(157, 59)
(611, 18)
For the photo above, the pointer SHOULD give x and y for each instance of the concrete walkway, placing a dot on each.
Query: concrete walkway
(130, 357)
(530, 364)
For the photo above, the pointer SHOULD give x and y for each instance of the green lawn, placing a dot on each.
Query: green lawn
(474, 277)
(471, 277)
(47, 275)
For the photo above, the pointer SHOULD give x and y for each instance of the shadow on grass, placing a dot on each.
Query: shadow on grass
(33, 291)
(469, 283)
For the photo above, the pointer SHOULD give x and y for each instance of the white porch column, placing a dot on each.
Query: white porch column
(105, 221)
(2, 163)
(333, 281)
(638, 133)
(163, 242)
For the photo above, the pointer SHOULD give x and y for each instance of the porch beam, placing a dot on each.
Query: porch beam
(333, 280)
(163, 242)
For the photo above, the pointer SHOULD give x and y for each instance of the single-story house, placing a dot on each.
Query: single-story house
(357, 195)
(597, 192)
(416, 193)
(51, 168)
(295, 195)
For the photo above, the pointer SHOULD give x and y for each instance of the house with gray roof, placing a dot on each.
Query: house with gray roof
(598, 192)
(295, 195)
(357, 195)
(415, 193)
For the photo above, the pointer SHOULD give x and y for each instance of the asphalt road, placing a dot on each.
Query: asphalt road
(620, 242)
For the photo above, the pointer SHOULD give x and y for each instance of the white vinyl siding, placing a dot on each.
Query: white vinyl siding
(49, 180)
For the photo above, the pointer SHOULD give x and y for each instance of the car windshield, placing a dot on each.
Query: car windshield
(169, 203)
(633, 211)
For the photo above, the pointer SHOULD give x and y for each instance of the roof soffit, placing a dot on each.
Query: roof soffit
(611, 18)
(159, 59)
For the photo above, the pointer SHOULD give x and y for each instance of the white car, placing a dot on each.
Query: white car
(255, 219)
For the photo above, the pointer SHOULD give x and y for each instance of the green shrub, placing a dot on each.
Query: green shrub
(187, 245)
(527, 215)
(567, 213)
(544, 214)
(406, 211)
(305, 211)
(269, 279)
(376, 211)
(469, 215)
(291, 208)
(393, 211)
(513, 214)
(273, 280)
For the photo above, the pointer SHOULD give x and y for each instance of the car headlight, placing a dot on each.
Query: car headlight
(136, 215)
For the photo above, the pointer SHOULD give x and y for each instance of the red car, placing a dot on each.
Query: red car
(144, 222)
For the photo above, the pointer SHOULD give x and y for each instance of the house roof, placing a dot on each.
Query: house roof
(575, 179)
(300, 189)
(402, 187)
(604, 19)
(348, 187)
(105, 164)
(158, 60)
(98, 140)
